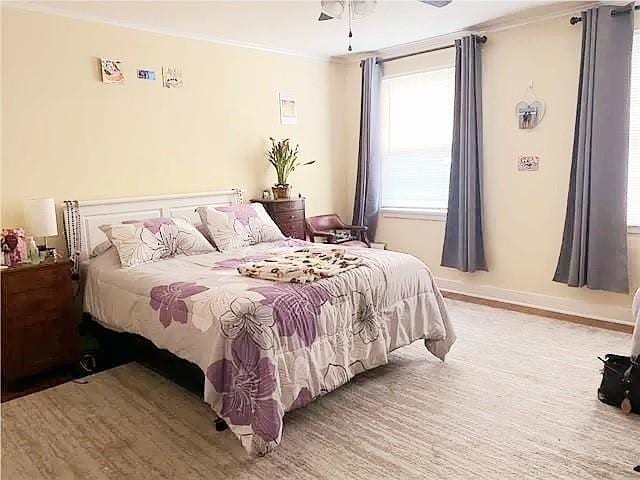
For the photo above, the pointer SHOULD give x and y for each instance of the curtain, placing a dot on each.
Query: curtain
(463, 243)
(367, 198)
(594, 244)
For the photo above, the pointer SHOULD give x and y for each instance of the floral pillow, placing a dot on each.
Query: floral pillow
(143, 241)
(239, 226)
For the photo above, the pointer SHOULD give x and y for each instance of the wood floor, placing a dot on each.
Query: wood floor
(515, 400)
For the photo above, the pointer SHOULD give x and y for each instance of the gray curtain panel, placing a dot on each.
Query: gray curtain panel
(594, 244)
(463, 242)
(366, 204)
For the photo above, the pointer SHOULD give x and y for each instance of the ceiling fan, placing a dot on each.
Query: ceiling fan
(334, 9)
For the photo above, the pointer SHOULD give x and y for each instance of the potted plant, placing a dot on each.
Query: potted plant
(285, 160)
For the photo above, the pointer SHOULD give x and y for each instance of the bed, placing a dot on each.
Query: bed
(265, 348)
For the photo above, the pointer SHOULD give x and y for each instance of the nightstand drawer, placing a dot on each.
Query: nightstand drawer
(294, 230)
(48, 277)
(36, 303)
(46, 345)
(280, 207)
(291, 216)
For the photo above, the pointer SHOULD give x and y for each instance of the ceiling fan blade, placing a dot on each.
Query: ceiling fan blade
(436, 3)
(323, 16)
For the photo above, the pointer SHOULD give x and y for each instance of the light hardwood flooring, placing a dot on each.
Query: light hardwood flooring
(516, 399)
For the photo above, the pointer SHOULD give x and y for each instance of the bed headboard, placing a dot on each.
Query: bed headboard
(94, 213)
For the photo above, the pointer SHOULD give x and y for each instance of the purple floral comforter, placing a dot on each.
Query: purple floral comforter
(267, 348)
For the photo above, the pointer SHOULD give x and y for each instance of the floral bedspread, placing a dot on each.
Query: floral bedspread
(267, 348)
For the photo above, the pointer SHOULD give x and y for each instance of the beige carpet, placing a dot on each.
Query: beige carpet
(515, 400)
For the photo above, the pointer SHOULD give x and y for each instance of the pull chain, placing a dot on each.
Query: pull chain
(350, 32)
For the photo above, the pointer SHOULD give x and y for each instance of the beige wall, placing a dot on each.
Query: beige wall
(67, 135)
(524, 211)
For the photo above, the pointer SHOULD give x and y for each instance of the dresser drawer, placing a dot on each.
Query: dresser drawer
(280, 207)
(48, 278)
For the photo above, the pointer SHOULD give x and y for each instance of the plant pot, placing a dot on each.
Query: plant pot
(281, 192)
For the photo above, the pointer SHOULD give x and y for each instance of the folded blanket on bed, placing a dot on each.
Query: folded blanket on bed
(302, 266)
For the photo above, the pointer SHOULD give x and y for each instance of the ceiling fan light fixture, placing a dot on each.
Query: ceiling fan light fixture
(331, 9)
(363, 8)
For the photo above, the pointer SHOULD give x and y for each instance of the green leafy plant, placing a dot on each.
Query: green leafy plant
(284, 159)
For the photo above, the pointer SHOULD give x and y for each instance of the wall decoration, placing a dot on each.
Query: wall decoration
(111, 71)
(171, 77)
(530, 110)
(144, 74)
(528, 163)
(288, 110)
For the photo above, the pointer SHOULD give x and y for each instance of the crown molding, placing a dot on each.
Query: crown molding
(540, 14)
(48, 9)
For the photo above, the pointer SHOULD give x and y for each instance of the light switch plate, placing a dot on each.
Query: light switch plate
(528, 163)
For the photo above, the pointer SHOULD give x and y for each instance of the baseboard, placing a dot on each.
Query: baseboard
(597, 315)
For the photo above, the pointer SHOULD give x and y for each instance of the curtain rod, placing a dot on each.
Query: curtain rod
(613, 13)
(482, 39)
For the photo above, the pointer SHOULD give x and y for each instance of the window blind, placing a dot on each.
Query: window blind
(416, 127)
(633, 196)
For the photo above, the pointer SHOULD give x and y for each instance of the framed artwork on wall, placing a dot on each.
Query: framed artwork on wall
(111, 71)
(288, 110)
(171, 77)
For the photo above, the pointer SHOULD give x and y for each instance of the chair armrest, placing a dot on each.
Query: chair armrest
(356, 228)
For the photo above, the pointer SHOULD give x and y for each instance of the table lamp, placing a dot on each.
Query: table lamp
(41, 220)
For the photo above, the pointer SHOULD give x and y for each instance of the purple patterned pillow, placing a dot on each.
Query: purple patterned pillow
(150, 240)
(239, 226)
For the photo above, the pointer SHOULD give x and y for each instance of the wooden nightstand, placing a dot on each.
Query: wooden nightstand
(39, 330)
(288, 214)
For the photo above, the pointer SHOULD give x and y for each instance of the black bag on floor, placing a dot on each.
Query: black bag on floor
(620, 385)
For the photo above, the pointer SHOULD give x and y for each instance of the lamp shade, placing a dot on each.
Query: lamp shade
(41, 217)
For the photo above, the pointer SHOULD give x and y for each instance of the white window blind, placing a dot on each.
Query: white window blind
(633, 198)
(417, 125)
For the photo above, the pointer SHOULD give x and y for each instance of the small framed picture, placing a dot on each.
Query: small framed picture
(144, 74)
(14, 246)
(111, 71)
(288, 110)
(171, 77)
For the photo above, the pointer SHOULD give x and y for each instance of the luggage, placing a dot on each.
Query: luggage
(620, 385)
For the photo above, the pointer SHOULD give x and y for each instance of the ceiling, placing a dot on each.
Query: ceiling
(292, 26)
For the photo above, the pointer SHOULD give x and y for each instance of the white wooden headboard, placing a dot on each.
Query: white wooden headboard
(94, 213)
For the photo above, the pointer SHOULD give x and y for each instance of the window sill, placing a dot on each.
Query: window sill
(633, 229)
(415, 214)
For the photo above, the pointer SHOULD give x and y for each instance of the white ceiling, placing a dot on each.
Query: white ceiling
(292, 26)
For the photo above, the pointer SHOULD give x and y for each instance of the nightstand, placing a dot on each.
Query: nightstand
(288, 214)
(39, 329)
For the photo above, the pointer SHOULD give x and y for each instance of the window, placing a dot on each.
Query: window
(417, 125)
(633, 196)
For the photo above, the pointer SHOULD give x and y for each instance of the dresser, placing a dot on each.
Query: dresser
(288, 214)
(39, 329)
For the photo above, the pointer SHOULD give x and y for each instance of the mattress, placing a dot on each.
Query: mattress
(269, 347)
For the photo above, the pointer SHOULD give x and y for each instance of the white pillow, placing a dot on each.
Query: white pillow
(143, 241)
(239, 226)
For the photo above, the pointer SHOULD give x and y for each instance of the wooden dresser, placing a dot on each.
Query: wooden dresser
(39, 330)
(288, 215)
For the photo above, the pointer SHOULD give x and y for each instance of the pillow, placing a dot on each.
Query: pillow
(143, 241)
(239, 226)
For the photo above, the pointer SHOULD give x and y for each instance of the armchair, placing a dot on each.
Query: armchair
(334, 230)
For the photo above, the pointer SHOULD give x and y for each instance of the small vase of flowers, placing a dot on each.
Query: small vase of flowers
(284, 159)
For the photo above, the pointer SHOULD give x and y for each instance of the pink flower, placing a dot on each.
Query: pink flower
(169, 299)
